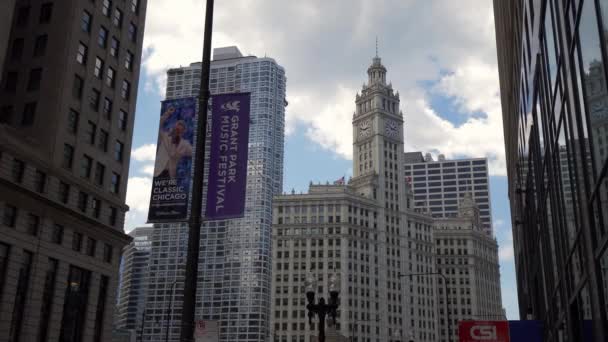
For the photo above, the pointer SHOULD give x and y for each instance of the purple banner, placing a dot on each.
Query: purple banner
(173, 164)
(228, 156)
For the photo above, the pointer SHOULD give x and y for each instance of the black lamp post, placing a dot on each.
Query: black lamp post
(445, 284)
(322, 309)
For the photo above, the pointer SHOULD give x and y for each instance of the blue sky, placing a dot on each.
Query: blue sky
(446, 76)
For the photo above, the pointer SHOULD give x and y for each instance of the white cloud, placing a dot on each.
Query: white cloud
(148, 169)
(138, 200)
(326, 47)
(144, 153)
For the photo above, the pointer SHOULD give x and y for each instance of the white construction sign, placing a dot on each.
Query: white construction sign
(206, 331)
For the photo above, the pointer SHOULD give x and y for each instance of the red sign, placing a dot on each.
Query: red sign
(483, 331)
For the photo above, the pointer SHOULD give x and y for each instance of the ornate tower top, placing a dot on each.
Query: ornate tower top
(376, 72)
(468, 208)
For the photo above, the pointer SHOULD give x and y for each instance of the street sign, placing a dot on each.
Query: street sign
(206, 331)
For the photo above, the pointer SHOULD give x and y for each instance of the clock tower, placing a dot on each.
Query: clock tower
(378, 138)
(378, 175)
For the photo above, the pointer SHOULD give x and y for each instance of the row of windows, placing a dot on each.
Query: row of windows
(12, 216)
(85, 202)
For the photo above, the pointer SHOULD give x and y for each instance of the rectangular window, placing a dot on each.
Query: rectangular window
(4, 252)
(12, 78)
(107, 253)
(73, 117)
(57, 234)
(85, 22)
(91, 131)
(76, 241)
(40, 45)
(23, 15)
(106, 7)
(118, 151)
(33, 82)
(100, 171)
(129, 60)
(46, 11)
(47, 299)
(77, 87)
(81, 54)
(113, 216)
(107, 108)
(94, 99)
(91, 244)
(18, 170)
(17, 49)
(110, 75)
(101, 308)
(135, 6)
(33, 223)
(132, 34)
(117, 19)
(98, 71)
(20, 296)
(68, 156)
(125, 91)
(64, 192)
(114, 47)
(102, 38)
(29, 114)
(115, 185)
(75, 305)
(40, 181)
(6, 114)
(96, 203)
(103, 140)
(83, 201)
(9, 217)
(85, 166)
(122, 120)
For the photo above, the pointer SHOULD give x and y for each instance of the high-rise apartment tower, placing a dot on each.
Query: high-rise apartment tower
(235, 264)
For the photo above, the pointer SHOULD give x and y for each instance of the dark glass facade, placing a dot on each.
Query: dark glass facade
(552, 57)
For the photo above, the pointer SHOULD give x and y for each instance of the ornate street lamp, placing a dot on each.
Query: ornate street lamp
(322, 309)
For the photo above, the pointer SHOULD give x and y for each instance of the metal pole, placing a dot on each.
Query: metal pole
(194, 233)
(445, 284)
(143, 320)
(447, 308)
(170, 310)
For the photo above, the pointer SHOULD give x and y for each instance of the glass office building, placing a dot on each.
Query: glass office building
(235, 261)
(552, 57)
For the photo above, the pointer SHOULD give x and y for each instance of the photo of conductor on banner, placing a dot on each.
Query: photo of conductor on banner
(173, 164)
(172, 147)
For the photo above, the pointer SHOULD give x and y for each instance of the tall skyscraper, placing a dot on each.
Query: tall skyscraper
(67, 105)
(134, 280)
(438, 185)
(555, 113)
(235, 263)
(366, 231)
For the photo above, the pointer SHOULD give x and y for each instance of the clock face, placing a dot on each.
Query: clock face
(365, 129)
(391, 128)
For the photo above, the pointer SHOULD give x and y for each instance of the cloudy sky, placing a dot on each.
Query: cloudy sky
(440, 56)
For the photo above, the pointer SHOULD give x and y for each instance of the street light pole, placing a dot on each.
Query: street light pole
(445, 284)
(194, 233)
(321, 309)
(170, 310)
